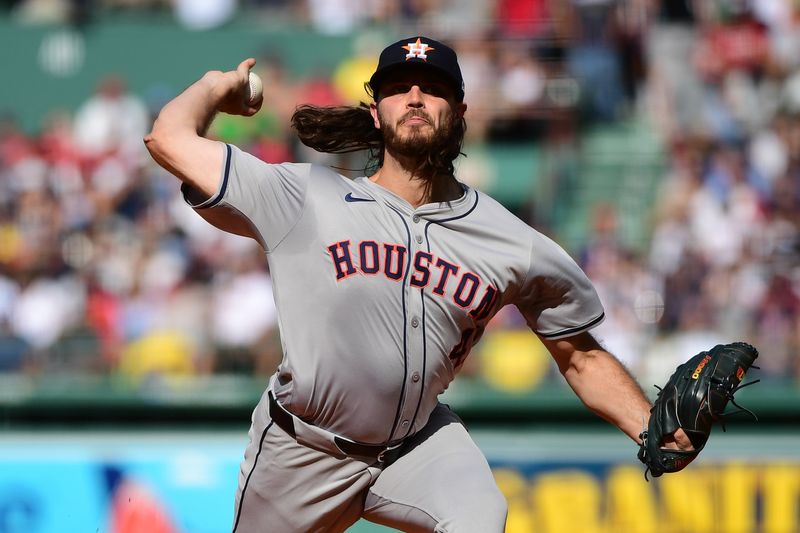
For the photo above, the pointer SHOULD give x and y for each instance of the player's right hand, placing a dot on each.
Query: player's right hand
(229, 89)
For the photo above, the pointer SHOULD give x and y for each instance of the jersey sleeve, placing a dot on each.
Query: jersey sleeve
(557, 299)
(270, 197)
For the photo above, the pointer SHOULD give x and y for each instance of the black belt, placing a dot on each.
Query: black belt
(379, 452)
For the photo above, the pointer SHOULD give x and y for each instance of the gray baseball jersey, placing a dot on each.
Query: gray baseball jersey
(379, 302)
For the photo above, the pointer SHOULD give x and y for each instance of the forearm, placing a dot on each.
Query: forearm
(607, 388)
(177, 141)
(601, 382)
(191, 112)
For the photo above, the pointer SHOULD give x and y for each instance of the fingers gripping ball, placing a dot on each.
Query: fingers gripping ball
(254, 88)
(693, 399)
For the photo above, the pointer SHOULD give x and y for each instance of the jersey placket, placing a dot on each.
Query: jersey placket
(415, 333)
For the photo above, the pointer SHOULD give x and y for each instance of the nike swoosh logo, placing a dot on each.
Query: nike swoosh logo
(350, 198)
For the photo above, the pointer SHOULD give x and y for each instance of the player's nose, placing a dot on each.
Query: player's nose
(414, 97)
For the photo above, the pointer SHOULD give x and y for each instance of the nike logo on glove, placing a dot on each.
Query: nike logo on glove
(350, 198)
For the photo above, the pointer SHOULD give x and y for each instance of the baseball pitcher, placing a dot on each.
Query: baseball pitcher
(383, 283)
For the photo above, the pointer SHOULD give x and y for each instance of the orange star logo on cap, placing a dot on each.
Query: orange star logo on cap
(418, 50)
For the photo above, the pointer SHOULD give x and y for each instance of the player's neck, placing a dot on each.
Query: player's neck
(416, 190)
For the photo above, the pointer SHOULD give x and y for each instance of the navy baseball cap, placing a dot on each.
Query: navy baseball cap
(419, 52)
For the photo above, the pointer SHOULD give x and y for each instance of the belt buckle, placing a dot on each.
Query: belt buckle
(382, 455)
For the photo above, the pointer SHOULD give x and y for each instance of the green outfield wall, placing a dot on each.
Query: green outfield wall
(89, 401)
(51, 67)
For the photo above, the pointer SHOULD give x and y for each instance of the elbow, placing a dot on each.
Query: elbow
(574, 355)
(152, 139)
(577, 364)
(150, 142)
(156, 144)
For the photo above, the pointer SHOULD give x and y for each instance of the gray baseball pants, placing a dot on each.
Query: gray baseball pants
(441, 483)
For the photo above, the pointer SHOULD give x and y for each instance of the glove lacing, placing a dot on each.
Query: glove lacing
(740, 409)
(643, 446)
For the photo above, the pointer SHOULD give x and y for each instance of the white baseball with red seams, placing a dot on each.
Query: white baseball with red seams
(254, 88)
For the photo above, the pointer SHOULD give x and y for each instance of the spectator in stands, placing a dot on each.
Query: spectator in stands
(109, 121)
(593, 61)
(244, 318)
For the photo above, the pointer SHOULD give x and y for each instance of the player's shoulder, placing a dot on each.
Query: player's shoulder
(324, 182)
(327, 179)
(491, 214)
(240, 155)
(490, 209)
(287, 169)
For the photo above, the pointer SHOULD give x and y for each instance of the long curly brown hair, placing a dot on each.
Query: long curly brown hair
(345, 129)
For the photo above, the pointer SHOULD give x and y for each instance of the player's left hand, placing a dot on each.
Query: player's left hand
(678, 441)
(693, 399)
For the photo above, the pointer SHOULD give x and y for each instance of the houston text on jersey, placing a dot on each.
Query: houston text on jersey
(373, 258)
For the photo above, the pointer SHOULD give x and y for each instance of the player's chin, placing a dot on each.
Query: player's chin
(416, 133)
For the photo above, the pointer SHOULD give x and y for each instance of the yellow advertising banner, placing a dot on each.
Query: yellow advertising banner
(577, 481)
(728, 497)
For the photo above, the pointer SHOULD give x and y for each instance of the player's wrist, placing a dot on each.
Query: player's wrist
(216, 87)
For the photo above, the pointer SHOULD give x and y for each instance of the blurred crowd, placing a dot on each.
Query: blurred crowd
(723, 89)
(105, 270)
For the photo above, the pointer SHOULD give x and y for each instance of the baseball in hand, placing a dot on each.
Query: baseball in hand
(254, 88)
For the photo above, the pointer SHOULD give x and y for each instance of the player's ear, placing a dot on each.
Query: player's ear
(373, 110)
(460, 109)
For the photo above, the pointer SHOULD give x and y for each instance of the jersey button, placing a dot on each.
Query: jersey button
(415, 218)
(419, 239)
(405, 423)
(414, 322)
(415, 377)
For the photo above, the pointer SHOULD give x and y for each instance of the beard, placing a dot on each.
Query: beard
(421, 144)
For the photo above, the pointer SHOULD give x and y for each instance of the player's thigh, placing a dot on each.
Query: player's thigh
(442, 483)
(285, 487)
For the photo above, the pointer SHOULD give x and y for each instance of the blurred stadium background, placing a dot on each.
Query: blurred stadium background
(657, 140)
